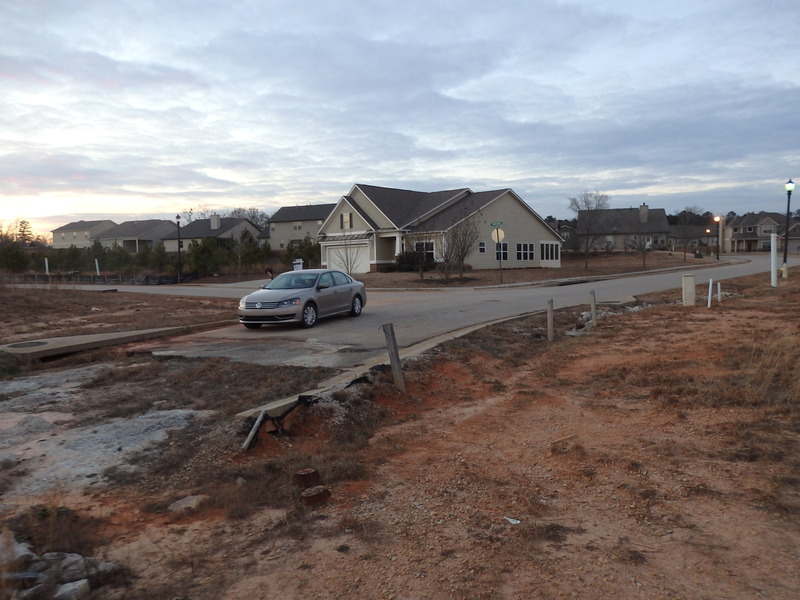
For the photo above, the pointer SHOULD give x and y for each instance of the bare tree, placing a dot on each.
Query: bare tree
(459, 242)
(585, 207)
(257, 217)
(687, 220)
(346, 257)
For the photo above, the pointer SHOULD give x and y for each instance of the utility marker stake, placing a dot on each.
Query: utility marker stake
(394, 357)
(594, 309)
(719, 292)
(550, 333)
(710, 291)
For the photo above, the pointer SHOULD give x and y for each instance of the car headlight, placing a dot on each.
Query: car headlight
(290, 302)
(241, 303)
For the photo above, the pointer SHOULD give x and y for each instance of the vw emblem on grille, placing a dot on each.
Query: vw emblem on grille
(258, 304)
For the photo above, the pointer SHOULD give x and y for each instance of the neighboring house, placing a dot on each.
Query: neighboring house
(752, 232)
(223, 229)
(624, 228)
(290, 225)
(371, 225)
(691, 237)
(134, 236)
(80, 234)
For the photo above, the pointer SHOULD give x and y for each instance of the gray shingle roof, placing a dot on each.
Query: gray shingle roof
(621, 221)
(201, 228)
(81, 225)
(403, 207)
(310, 212)
(133, 229)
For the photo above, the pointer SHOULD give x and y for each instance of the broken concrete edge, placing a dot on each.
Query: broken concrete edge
(72, 344)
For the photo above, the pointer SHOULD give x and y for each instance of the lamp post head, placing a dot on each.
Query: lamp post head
(789, 185)
(717, 219)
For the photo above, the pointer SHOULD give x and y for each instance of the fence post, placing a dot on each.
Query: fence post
(550, 333)
(394, 357)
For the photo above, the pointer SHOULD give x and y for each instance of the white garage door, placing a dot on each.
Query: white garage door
(350, 258)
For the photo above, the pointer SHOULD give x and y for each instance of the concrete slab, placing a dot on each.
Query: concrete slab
(58, 346)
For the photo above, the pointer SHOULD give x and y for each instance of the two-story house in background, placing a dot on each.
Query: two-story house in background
(80, 234)
(753, 233)
(290, 225)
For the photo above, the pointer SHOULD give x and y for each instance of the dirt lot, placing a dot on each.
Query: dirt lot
(654, 456)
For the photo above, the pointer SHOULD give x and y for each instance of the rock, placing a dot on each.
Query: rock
(74, 590)
(8, 461)
(68, 567)
(187, 505)
(14, 554)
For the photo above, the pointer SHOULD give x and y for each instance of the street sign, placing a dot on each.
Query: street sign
(496, 224)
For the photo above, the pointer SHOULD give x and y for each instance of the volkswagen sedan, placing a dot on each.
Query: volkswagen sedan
(303, 297)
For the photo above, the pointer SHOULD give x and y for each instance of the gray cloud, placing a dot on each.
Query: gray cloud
(151, 105)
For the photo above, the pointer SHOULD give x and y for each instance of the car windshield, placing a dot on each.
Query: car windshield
(292, 280)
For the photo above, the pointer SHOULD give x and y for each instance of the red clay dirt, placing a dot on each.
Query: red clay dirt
(656, 456)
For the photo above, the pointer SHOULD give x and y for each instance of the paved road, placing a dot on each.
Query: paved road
(418, 316)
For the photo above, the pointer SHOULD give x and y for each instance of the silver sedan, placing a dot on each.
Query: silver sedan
(303, 297)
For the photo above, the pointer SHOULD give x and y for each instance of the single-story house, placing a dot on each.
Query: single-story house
(615, 229)
(223, 229)
(290, 225)
(137, 235)
(80, 234)
(371, 225)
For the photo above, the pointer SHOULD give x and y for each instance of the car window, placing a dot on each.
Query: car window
(292, 280)
(326, 280)
(340, 278)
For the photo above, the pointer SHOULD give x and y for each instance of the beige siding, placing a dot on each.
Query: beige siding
(333, 225)
(520, 226)
(281, 233)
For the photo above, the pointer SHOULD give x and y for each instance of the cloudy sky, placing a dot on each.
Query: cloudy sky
(127, 109)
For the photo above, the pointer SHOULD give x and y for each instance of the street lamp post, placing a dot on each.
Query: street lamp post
(708, 240)
(719, 221)
(789, 186)
(178, 219)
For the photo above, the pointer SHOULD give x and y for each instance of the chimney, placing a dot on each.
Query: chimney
(215, 222)
(643, 213)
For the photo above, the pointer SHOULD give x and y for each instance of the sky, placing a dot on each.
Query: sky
(134, 109)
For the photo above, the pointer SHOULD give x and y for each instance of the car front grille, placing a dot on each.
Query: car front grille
(260, 305)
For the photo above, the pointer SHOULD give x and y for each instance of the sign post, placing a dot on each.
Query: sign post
(498, 235)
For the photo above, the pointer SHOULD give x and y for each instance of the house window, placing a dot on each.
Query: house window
(482, 247)
(549, 251)
(749, 230)
(735, 230)
(525, 251)
(346, 221)
(63, 236)
(768, 229)
(565, 234)
(425, 248)
(501, 251)
(297, 225)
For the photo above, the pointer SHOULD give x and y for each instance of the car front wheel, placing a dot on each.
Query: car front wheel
(355, 308)
(309, 315)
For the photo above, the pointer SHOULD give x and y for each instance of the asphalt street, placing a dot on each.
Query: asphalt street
(420, 318)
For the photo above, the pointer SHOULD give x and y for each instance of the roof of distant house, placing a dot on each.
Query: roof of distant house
(310, 212)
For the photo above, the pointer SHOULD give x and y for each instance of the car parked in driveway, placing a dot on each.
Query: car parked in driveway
(303, 297)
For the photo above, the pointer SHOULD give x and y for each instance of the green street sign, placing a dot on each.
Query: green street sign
(497, 224)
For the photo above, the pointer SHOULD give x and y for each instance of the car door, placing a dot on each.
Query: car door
(326, 296)
(344, 291)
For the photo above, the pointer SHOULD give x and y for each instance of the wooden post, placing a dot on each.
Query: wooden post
(394, 357)
(254, 430)
(594, 309)
(550, 333)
